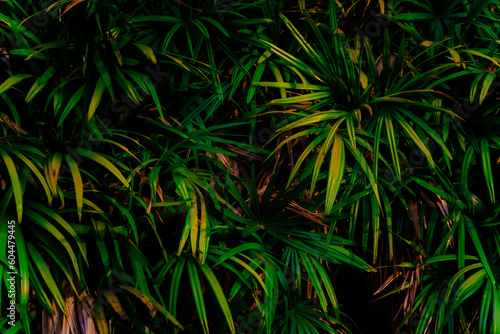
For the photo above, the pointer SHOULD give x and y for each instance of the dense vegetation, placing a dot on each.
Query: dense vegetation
(264, 166)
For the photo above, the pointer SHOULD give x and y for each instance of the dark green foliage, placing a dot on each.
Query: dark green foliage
(251, 167)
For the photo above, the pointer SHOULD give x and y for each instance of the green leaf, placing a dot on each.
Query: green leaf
(128, 216)
(47, 277)
(127, 87)
(488, 80)
(413, 16)
(315, 282)
(204, 231)
(476, 7)
(40, 83)
(255, 79)
(156, 18)
(193, 217)
(416, 139)
(302, 98)
(495, 326)
(176, 281)
(336, 172)
(100, 319)
(215, 24)
(96, 98)
(322, 153)
(393, 145)
(194, 281)
(23, 283)
(434, 190)
(326, 280)
(73, 101)
(167, 314)
(52, 230)
(479, 247)
(12, 81)
(488, 173)
(219, 294)
(368, 172)
(16, 184)
(147, 300)
(104, 73)
(376, 212)
(238, 250)
(148, 52)
(77, 178)
(185, 233)
(102, 160)
(51, 170)
(35, 170)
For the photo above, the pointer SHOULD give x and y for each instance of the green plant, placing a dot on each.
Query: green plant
(248, 166)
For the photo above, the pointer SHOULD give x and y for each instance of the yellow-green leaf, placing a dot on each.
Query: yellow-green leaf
(16, 184)
(13, 80)
(100, 159)
(115, 303)
(100, 319)
(96, 97)
(148, 52)
(336, 172)
(77, 178)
